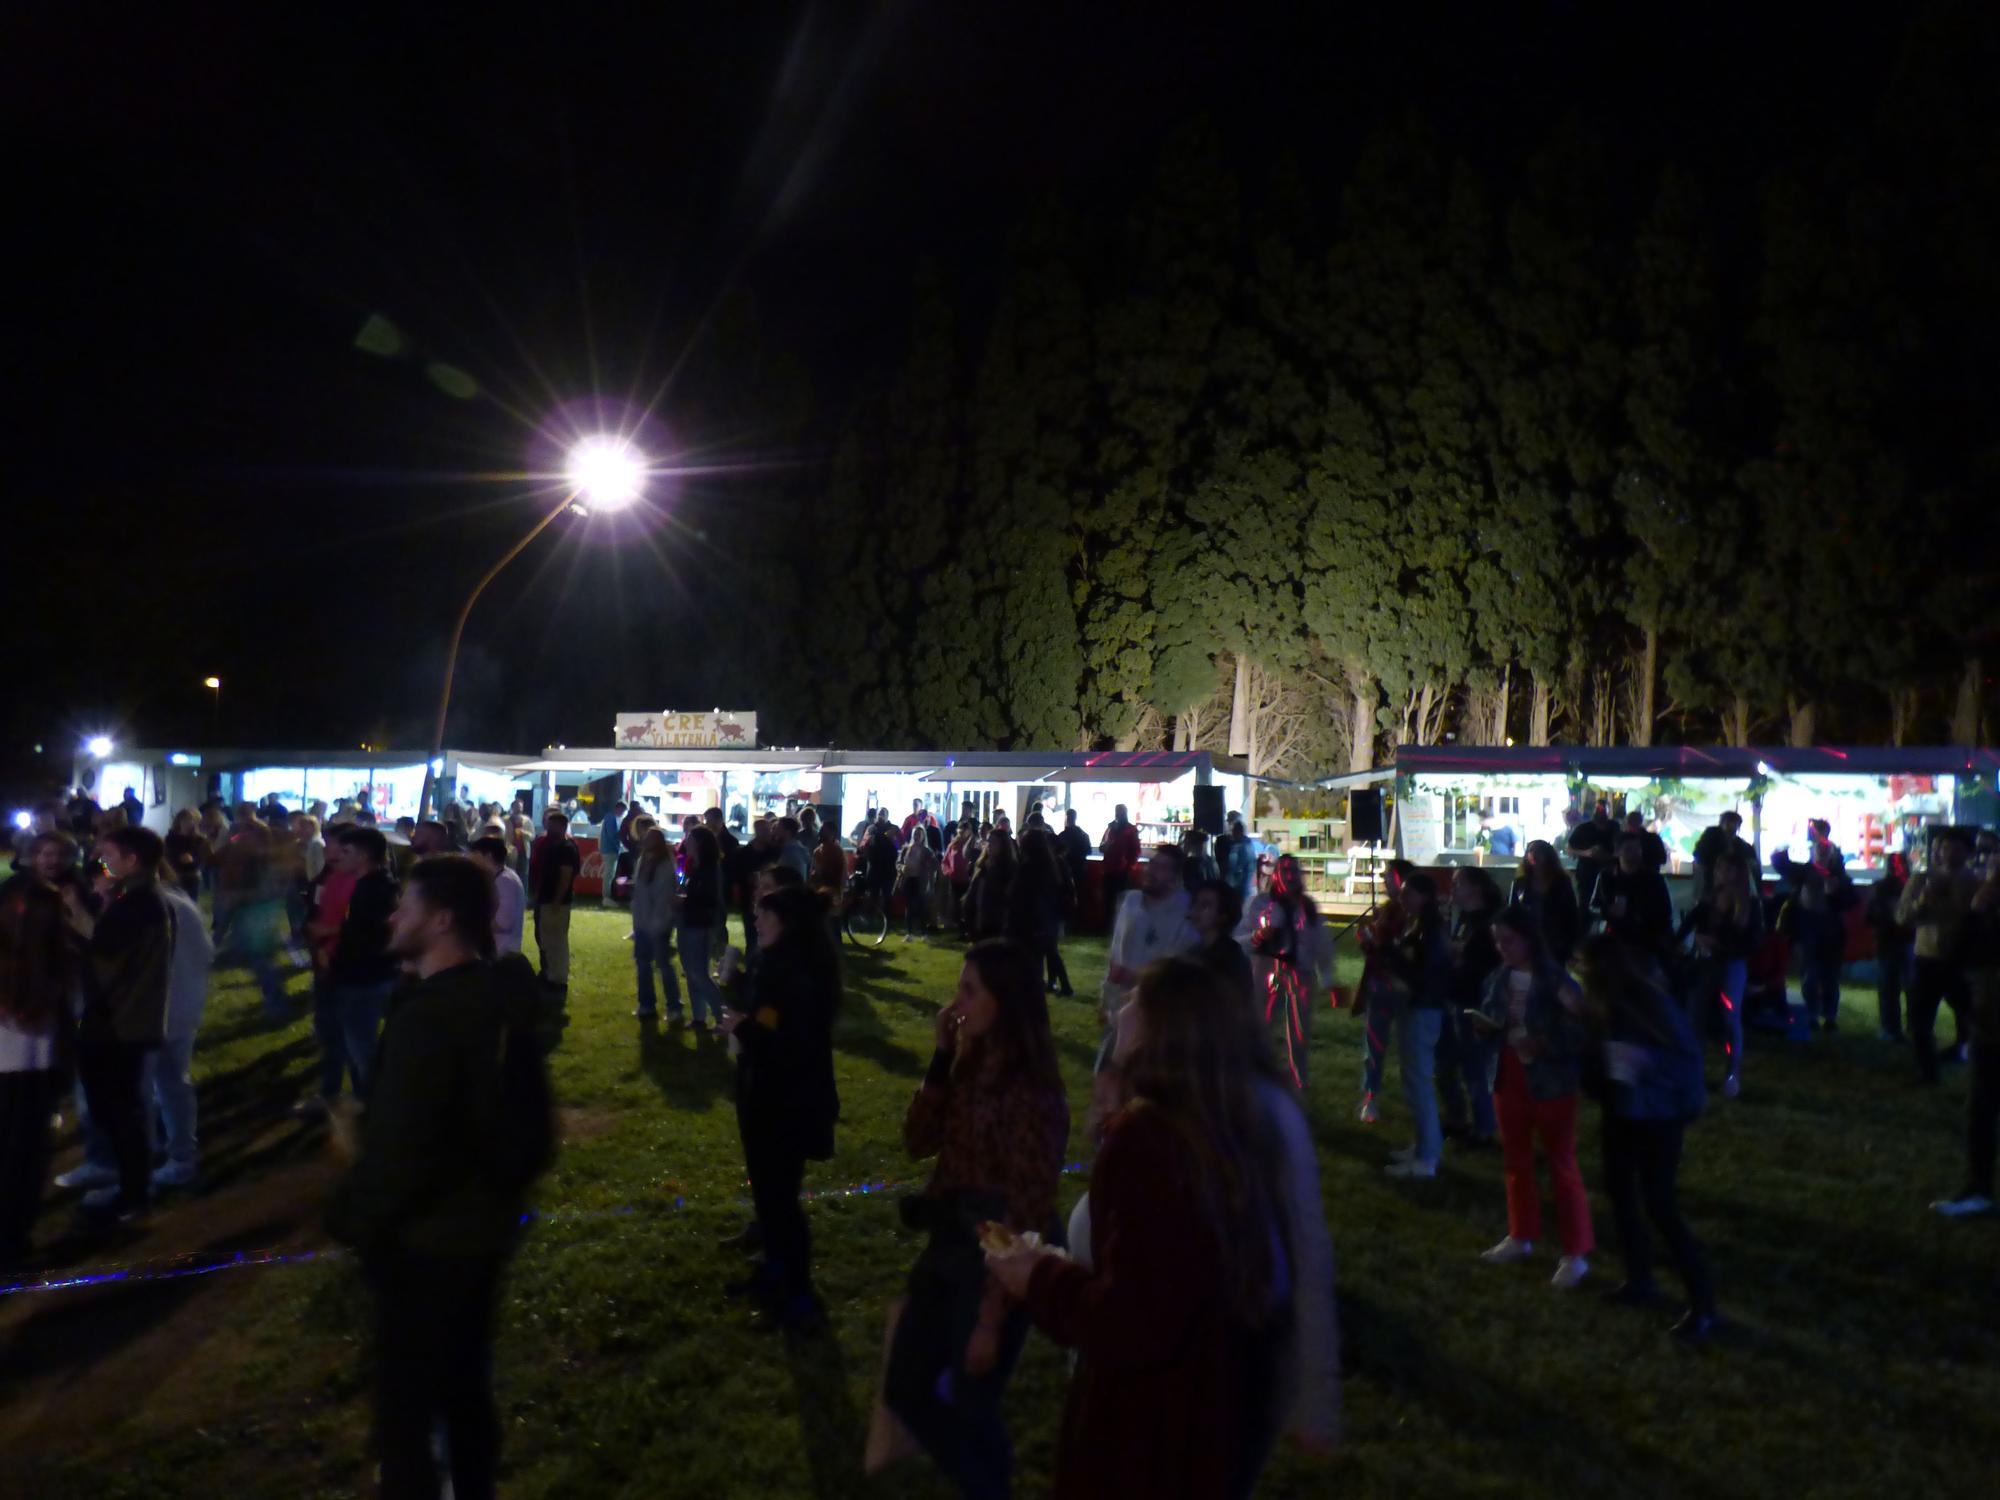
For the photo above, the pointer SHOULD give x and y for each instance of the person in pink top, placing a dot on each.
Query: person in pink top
(336, 889)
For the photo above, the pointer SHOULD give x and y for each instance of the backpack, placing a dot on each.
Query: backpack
(524, 1137)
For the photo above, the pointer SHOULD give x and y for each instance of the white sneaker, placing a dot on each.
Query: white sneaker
(1403, 1153)
(86, 1176)
(1412, 1168)
(1508, 1251)
(102, 1197)
(175, 1174)
(1366, 1113)
(1731, 1086)
(1964, 1206)
(1570, 1271)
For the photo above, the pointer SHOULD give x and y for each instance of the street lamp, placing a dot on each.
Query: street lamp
(602, 473)
(99, 745)
(214, 685)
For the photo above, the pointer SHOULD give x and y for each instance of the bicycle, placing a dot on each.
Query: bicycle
(864, 917)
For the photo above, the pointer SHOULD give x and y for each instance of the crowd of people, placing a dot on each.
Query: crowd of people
(1195, 1277)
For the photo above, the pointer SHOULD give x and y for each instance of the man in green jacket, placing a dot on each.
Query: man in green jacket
(430, 1205)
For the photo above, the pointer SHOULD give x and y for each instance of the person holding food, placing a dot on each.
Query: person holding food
(1187, 1269)
(993, 1112)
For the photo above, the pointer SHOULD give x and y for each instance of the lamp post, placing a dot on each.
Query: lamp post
(602, 473)
(214, 685)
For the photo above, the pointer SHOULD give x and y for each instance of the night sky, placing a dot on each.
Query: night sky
(211, 477)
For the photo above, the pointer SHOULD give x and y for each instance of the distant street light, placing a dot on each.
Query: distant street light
(214, 685)
(603, 473)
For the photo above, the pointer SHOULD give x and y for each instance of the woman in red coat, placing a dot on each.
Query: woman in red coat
(1185, 1271)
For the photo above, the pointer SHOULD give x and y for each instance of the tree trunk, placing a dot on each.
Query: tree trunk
(1422, 730)
(1804, 716)
(1239, 708)
(1642, 696)
(1183, 731)
(1736, 722)
(1361, 725)
(1903, 707)
(1540, 709)
(1967, 717)
(1500, 709)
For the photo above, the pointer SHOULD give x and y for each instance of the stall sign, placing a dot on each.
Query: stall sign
(717, 729)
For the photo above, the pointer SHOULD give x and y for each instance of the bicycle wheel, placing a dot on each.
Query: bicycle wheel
(868, 923)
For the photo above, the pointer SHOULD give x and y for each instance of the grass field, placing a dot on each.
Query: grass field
(1861, 1357)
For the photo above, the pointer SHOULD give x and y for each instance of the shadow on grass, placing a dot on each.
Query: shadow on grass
(690, 1069)
(830, 1424)
(65, 1337)
(1530, 1429)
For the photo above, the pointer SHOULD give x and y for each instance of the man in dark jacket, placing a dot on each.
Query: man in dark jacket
(127, 963)
(1634, 902)
(430, 1207)
(1594, 845)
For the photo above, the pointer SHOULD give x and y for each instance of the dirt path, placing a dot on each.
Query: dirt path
(70, 1356)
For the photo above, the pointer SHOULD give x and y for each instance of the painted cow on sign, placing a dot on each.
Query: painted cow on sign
(635, 734)
(732, 732)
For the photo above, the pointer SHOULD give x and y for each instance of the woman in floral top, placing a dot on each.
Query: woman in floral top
(993, 1112)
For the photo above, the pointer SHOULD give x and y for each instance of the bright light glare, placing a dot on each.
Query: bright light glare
(608, 472)
(212, 682)
(23, 820)
(98, 745)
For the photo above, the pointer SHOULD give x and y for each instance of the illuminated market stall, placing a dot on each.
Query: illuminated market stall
(1452, 804)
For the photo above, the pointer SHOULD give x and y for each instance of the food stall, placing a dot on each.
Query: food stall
(710, 767)
(389, 781)
(1879, 800)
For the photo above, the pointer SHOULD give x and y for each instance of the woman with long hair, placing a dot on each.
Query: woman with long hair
(1534, 1010)
(698, 911)
(992, 884)
(653, 897)
(1186, 1263)
(1545, 892)
(955, 872)
(1648, 1067)
(1286, 932)
(1465, 1094)
(786, 1103)
(39, 948)
(1423, 960)
(993, 1112)
(1376, 997)
(1726, 924)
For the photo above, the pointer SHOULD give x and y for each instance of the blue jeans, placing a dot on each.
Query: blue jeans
(347, 1019)
(695, 943)
(173, 1086)
(1417, 1030)
(1461, 1063)
(1378, 1006)
(648, 953)
(1892, 962)
(1819, 984)
(1722, 982)
(263, 966)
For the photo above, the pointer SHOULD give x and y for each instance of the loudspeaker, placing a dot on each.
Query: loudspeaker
(1364, 816)
(1208, 810)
